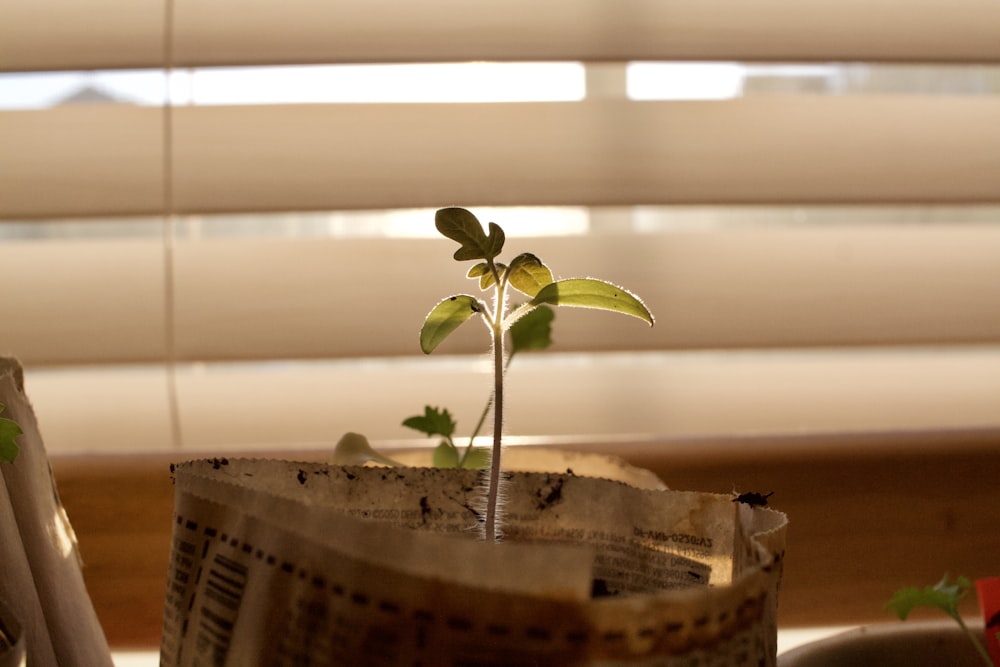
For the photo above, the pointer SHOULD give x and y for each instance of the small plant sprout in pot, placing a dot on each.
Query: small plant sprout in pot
(944, 595)
(527, 324)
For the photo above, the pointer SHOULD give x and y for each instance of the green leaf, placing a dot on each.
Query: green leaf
(353, 449)
(434, 421)
(445, 456)
(528, 274)
(9, 430)
(463, 227)
(942, 595)
(477, 458)
(445, 318)
(478, 270)
(488, 280)
(533, 331)
(591, 293)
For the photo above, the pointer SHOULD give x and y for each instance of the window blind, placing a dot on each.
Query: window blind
(818, 261)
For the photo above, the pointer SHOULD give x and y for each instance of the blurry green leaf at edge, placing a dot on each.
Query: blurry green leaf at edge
(592, 293)
(445, 456)
(9, 430)
(533, 331)
(434, 421)
(445, 318)
(477, 459)
(943, 596)
(354, 449)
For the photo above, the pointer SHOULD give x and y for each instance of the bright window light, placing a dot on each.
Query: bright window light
(39, 90)
(437, 82)
(684, 81)
(450, 82)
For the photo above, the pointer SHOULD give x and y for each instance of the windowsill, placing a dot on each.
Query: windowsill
(787, 640)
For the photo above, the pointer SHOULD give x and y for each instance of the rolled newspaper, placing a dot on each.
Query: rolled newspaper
(290, 563)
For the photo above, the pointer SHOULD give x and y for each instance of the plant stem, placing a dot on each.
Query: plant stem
(493, 488)
(482, 419)
(983, 653)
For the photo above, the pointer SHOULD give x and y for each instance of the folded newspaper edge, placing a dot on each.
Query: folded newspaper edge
(42, 582)
(283, 562)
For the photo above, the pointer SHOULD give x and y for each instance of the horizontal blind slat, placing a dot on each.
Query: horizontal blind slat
(63, 34)
(40, 35)
(684, 395)
(751, 150)
(760, 288)
(273, 298)
(106, 160)
(81, 161)
(90, 302)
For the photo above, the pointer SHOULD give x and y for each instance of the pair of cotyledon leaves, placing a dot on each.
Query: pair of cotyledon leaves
(525, 273)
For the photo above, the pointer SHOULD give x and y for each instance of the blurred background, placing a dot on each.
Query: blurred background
(216, 236)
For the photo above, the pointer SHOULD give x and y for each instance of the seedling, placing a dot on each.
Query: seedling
(944, 596)
(531, 332)
(526, 274)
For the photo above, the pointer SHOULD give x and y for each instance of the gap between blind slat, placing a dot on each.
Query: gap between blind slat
(63, 34)
(108, 160)
(273, 298)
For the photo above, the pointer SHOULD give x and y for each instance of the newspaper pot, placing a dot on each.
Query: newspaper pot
(12, 642)
(910, 644)
(288, 561)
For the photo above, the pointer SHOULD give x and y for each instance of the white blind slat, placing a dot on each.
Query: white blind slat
(681, 395)
(759, 288)
(774, 149)
(83, 302)
(106, 160)
(81, 160)
(279, 299)
(63, 34)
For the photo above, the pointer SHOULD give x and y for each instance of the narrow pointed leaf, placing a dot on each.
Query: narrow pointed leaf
(353, 449)
(528, 274)
(533, 331)
(477, 270)
(592, 293)
(445, 318)
(463, 227)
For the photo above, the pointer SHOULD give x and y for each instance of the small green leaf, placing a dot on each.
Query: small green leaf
(445, 318)
(434, 421)
(591, 293)
(488, 280)
(463, 227)
(533, 331)
(478, 270)
(528, 274)
(943, 596)
(445, 456)
(495, 241)
(478, 458)
(9, 430)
